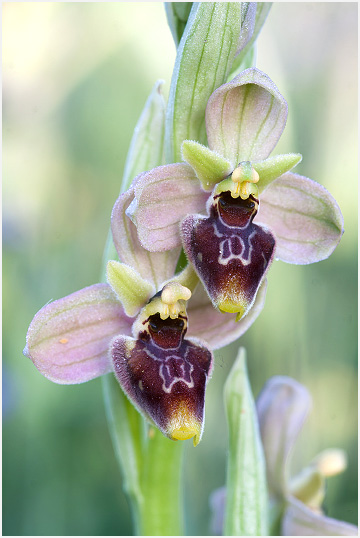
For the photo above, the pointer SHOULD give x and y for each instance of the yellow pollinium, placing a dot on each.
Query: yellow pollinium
(173, 298)
(184, 425)
(171, 303)
(244, 178)
(331, 462)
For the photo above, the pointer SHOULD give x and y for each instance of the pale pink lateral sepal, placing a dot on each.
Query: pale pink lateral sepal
(154, 266)
(219, 329)
(68, 339)
(299, 520)
(303, 215)
(282, 407)
(163, 196)
(245, 117)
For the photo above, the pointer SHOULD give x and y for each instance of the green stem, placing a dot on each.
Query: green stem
(161, 513)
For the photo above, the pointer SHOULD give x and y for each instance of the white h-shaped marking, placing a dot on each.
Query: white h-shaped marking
(164, 368)
(224, 260)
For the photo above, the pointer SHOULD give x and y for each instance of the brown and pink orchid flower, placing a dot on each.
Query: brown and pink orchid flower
(232, 208)
(295, 501)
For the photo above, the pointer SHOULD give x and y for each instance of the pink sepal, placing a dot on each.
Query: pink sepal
(245, 117)
(68, 339)
(282, 407)
(163, 196)
(299, 520)
(304, 217)
(153, 266)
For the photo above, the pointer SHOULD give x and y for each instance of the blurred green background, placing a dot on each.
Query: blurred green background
(75, 78)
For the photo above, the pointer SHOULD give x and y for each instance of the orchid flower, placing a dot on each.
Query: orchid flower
(140, 315)
(282, 407)
(295, 502)
(256, 209)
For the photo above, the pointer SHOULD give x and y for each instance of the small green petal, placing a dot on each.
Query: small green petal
(133, 291)
(209, 166)
(273, 167)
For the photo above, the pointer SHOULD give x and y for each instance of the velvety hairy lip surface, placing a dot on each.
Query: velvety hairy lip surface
(165, 376)
(230, 253)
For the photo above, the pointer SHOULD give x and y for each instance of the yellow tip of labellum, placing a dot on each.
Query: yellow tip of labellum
(184, 425)
(185, 433)
(229, 307)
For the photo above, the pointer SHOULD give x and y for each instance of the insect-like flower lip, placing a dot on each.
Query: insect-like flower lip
(166, 383)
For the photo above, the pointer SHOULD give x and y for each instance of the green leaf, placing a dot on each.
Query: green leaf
(209, 166)
(273, 167)
(177, 14)
(203, 61)
(246, 505)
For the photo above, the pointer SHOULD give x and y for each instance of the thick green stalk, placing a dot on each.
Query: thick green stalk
(161, 513)
(246, 503)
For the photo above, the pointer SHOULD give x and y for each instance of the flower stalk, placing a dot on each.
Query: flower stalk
(151, 466)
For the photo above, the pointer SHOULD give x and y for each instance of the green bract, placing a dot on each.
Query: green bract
(246, 504)
(203, 62)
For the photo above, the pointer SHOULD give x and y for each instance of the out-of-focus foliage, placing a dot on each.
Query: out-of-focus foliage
(75, 78)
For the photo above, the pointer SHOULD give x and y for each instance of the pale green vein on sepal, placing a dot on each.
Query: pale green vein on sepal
(246, 511)
(204, 58)
(273, 167)
(147, 144)
(209, 166)
(132, 290)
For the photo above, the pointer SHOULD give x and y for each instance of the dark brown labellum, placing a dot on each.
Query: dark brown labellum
(230, 253)
(165, 376)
